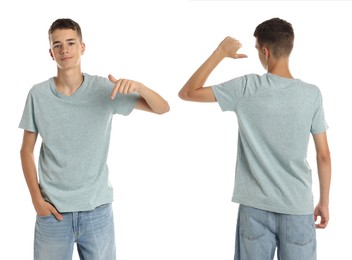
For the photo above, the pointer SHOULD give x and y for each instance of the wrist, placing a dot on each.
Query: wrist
(38, 199)
(219, 53)
(141, 90)
(324, 203)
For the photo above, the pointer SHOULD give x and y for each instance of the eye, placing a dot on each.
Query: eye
(71, 43)
(56, 46)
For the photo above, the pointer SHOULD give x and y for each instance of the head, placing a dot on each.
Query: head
(65, 23)
(65, 38)
(274, 39)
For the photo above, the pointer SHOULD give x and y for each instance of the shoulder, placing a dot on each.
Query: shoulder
(309, 88)
(250, 77)
(41, 87)
(253, 82)
(95, 78)
(97, 81)
(243, 80)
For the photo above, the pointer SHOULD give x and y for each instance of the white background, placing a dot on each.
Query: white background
(173, 174)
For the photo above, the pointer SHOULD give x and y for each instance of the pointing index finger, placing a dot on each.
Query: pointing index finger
(115, 81)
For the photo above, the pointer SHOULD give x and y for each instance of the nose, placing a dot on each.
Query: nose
(64, 49)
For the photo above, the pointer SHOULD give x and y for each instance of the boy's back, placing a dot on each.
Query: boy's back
(275, 121)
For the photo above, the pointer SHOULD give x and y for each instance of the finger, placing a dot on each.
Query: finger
(323, 223)
(240, 56)
(112, 78)
(117, 86)
(122, 86)
(129, 87)
(57, 215)
(126, 87)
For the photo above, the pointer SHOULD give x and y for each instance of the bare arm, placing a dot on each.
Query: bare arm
(42, 207)
(194, 89)
(150, 100)
(324, 173)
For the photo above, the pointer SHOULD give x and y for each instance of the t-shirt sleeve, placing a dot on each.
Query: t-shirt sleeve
(230, 93)
(28, 117)
(123, 104)
(319, 124)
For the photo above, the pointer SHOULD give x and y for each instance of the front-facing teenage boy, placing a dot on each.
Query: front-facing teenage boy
(72, 112)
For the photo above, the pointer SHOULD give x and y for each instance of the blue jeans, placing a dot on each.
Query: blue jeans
(93, 231)
(260, 232)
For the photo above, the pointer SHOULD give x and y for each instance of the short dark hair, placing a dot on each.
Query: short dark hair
(65, 23)
(277, 34)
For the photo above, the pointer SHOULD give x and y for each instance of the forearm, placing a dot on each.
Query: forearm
(196, 82)
(153, 101)
(324, 173)
(149, 101)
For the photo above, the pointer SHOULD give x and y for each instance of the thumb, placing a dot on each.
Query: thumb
(112, 78)
(240, 56)
(57, 215)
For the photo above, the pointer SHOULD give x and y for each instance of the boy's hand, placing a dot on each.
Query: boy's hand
(229, 47)
(124, 86)
(46, 209)
(323, 213)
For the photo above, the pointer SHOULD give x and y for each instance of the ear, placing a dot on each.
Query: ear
(266, 52)
(83, 48)
(51, 54)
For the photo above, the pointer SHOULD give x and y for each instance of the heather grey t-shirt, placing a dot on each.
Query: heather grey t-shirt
(275, 119)
(75, 132)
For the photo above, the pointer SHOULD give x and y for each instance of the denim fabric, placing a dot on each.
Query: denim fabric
(259, 233)
(92, 231)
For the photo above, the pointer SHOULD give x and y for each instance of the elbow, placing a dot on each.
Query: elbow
(181, 95)
(164, 109)
(324, 157)
(184, 95)
(25, 153)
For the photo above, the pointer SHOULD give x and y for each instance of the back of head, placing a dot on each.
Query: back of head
(277, 34)
(65, 23)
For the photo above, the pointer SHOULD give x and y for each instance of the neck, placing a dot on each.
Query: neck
(68, 81)
(280, 67)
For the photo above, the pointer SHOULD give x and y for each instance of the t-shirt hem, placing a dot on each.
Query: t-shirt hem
(303, 211)
(217, 97)
(84, 208)
(319, 131)
(29, 129)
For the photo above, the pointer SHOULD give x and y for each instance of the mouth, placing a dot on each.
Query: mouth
(65, 58)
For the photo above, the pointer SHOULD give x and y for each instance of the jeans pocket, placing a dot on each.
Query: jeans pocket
(45, 216)
(300, 230)
(252, 222)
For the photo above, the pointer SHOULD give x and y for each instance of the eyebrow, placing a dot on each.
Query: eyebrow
(68, 40)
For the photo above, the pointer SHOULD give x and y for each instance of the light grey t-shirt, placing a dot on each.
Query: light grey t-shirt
(75, 132)
(275, 119)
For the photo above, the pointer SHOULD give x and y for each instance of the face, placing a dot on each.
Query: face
(262, 54)
(66, 48)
